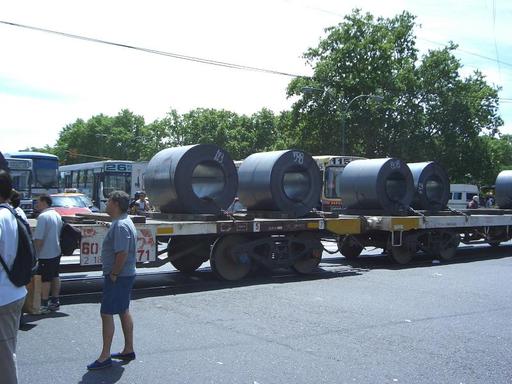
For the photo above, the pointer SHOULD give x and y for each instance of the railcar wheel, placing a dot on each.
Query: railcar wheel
(448, 248)
(401, 255)
(226, 263)
(310, 261)
(350, 248)
(186, 253)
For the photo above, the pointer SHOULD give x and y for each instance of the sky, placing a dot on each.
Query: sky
(48, 81)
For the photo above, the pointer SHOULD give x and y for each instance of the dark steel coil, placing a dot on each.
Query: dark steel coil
(194, 179)
(384, 185)
(286, 181)
(432, 186)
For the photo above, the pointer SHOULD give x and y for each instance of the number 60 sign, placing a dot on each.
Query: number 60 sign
(92, 240)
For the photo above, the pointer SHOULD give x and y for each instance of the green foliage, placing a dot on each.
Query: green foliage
(126, 137)
(429, 111)
(102, 137)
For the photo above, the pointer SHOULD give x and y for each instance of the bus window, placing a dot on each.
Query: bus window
(88, 180)
(74, 178)
(116, 182)
(46, 173)
(82, 178)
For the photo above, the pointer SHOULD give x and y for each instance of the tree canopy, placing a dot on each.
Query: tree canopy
(127, 137)
(428, 112)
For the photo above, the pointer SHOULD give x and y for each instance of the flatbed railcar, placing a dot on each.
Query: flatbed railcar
(438, 234)
(234, 245)
(231, 245)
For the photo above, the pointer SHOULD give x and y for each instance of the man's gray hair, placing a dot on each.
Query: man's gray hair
(122, 199)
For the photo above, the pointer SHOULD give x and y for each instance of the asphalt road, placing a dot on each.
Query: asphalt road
(370, 322)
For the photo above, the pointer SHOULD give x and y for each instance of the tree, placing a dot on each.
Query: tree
(102, 137)
(159, 134)
(428, 112)
(500, 150)
(240, 135)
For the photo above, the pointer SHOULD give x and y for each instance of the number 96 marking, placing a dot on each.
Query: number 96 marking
(298, 157)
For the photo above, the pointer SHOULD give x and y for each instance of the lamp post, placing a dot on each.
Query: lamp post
(378, 98)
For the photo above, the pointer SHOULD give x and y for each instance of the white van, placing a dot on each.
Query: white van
(461, 194)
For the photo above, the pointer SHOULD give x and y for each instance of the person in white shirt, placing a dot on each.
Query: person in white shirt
(11, 296)
(142, 204)
(47, 243)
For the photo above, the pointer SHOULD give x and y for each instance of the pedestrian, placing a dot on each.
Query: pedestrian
(142, 204)
(11, 296)
(47, 243)
(118, 259)
(474, 202)
(133, 203)
(15, 201)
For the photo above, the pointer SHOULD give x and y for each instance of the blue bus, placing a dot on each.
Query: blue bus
(45, 171)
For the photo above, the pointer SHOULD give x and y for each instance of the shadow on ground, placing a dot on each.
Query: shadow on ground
(175, 283)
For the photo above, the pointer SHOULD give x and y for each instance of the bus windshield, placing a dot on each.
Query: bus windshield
(46, 172)
(116, 182)
(21, 180)
(332, 187)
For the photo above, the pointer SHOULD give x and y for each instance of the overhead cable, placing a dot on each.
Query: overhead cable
(154, 51)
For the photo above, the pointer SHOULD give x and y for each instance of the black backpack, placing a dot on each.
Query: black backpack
(70, 238)
(25, 262)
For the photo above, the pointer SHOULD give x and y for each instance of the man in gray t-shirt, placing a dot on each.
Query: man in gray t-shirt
(121, 237)
(118, 259)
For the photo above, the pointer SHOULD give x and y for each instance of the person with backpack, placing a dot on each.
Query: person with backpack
(11, 295)
(47, 243)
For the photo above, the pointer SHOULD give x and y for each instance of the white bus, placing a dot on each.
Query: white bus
(98, 179)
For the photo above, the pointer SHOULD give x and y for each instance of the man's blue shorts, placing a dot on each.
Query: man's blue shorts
(116, 296)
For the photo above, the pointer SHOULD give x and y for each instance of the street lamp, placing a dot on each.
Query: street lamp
(377, 98)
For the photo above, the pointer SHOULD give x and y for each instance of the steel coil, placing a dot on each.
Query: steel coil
(432, 186)
(286, 181)
(503, 190)
(194, 179)
(384, 185)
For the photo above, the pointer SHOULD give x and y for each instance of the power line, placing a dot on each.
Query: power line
(202, 60)
(468, 52)
(73, 153)
(154, 51)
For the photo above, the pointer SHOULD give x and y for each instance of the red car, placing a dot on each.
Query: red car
(69, 204)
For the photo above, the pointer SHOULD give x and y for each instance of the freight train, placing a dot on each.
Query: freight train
(387, 203)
